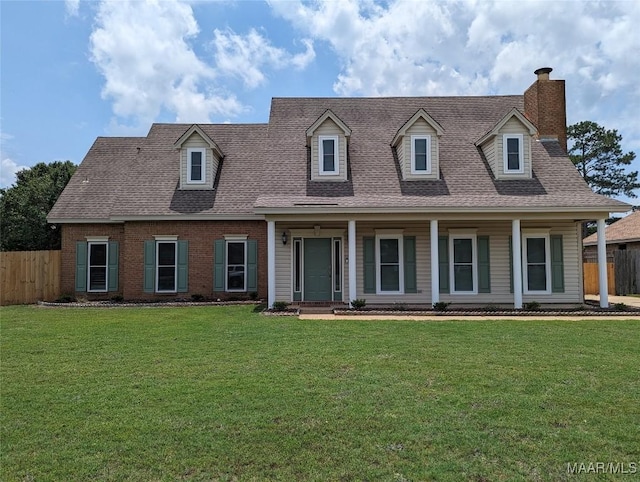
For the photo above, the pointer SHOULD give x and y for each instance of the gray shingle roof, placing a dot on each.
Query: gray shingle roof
(626, 229)
(266, 166)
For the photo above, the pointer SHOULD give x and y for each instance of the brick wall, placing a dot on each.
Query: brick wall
(131, 237)
(545, 106)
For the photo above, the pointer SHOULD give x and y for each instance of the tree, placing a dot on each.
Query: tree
(25, 205)
(597, 155)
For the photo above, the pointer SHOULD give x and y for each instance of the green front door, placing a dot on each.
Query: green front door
(317, 269)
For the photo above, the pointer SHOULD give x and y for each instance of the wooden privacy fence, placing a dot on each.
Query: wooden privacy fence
(29, 276)
(591, 278)
(627, 271)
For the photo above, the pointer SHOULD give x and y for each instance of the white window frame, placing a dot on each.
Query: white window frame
(505, 153)
(336, 156)
(175, 266)
(474, 262)
(106, 266)
(525, 264)
(400, 239)
(415, 138)
(203, 151)
(226, 265)
(295, 269)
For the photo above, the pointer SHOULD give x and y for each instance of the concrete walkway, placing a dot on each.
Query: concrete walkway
(627, 300)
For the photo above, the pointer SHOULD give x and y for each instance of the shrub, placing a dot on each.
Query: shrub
(253, 295)
(491, 307)
(400, 306)
(532, 306)
(620, 307)
(358, 303)
(279, 305)
(66, 299)
(117, 298)
(197, 297)
(441, 305)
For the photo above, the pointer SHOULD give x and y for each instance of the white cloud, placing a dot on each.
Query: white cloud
(72, 7)
(8, 170)
(143, 51)
(474, 47)
(247, 56)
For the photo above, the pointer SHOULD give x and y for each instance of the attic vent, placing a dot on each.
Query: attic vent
(315, 204)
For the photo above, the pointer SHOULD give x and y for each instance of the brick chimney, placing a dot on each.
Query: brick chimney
(545, 106)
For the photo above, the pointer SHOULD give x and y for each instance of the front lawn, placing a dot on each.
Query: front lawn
(223, 393)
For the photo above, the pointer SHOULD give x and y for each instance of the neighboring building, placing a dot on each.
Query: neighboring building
(412, 200)
(621, 235)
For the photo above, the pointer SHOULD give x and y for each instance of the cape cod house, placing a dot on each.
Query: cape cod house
(470, 200)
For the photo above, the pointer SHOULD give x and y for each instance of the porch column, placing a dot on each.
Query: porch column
(516, 256)
(351, 235)
(271, 263)
(435, 263)
(602, 265)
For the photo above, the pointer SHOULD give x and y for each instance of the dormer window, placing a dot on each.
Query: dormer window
(328, 154)
(513, 153)
(420, 154)
(196, 160)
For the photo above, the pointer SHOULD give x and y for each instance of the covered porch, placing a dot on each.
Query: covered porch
(413, 259)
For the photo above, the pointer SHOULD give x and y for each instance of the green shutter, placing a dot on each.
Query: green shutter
(557, 264)
(410, 283)
(81, 266)
(369, 255)
(443, 259)
(149, 282)
(113, 266)
(183, 266)
(219, 246)
(484, 269)
(252, 265)
(510, 264)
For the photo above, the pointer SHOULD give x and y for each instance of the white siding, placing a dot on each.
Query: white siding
(513, 126)
(498, 233)
(195, 141)
(419, 127)
(329, 128)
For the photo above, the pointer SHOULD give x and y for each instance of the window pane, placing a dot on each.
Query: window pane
(297, 268)
(337, 259)
(97, 278)
(462, 251)
(389, 251)
(98, 254)
(536, 250)
(235, 277)
(235, 253)
(328, 155)
(390, 278)
(166, 278)
(537, 277)
(463, 278)
(420, 154)
(513, 154)
(166, 254)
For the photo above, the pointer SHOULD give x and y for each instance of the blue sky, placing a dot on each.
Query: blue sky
(74, 70)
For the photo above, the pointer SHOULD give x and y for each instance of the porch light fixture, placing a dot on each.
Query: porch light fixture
(284, 237)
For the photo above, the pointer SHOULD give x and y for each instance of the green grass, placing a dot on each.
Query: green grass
(223, 393)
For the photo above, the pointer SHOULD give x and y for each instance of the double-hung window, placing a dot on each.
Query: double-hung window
(166, 266)
(513, 153)
(196, 162)
(97, 271)
(536, 264)
(389, 264)
(421, 154)
(464, 263)
(236, 266)
(328, 155)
